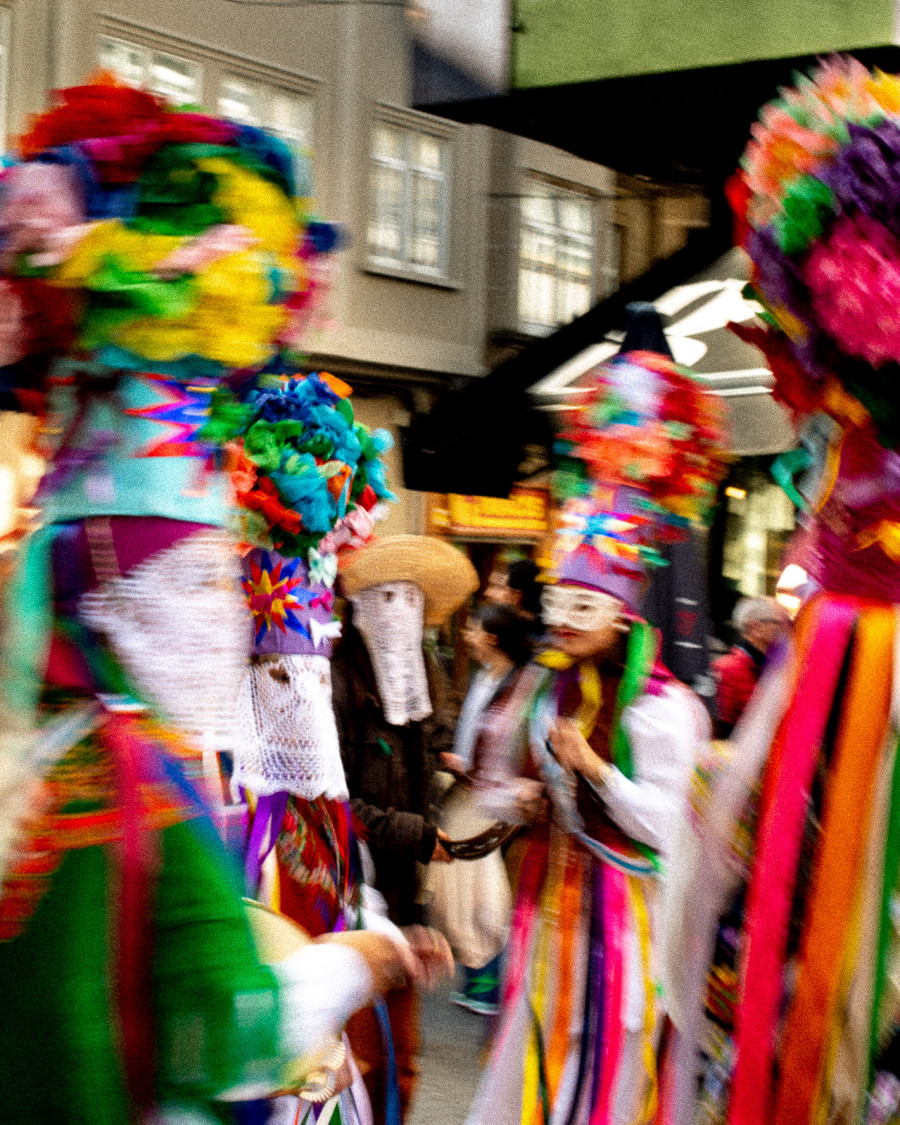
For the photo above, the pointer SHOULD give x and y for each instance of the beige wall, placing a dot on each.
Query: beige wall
(407, 516)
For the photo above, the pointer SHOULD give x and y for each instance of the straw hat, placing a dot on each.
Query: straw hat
(441, 571)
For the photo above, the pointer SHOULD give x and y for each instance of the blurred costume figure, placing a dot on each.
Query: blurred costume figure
(609, 736)
(759, 622)
(146, 253)
(392, 726)
(784, 957)
(310, 481)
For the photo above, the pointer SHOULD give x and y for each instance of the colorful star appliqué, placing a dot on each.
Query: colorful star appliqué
(275, 592)
(183, 411)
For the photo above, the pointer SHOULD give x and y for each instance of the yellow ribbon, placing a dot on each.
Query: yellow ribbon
(541, 958)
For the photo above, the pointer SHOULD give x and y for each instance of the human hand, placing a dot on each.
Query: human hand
(432, 951)
(440, 853)
(391, 963)
(571, 747)
(453, 763)
(531, 804)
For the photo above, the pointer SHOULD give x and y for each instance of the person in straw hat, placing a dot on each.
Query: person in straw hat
(392, 727)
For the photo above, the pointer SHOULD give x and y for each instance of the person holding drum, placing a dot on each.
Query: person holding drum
(470, 901)
(611, 736)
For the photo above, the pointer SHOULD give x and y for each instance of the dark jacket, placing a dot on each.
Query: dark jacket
(389, 772)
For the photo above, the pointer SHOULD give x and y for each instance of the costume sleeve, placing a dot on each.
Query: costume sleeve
(320, 987)
(226, 1022)
(392, 830)
(666, 732)
(736, 680)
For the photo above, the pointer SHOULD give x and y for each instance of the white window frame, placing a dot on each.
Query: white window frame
(270, 89)
(412, 122)
(149, 50)
(537, 187)
(216, 63)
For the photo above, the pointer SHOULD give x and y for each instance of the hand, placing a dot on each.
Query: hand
(532, 805)
(432, 951)
(440, 853)
(391, 963)
(572, 751)
(453, 763)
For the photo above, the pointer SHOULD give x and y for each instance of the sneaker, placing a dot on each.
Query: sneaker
(479, 1007)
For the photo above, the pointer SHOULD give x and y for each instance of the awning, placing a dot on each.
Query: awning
(479, 440)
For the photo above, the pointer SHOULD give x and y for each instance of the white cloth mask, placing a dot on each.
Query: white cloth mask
(576, 607)
(391, 618)
(177, 623)
(287, 737)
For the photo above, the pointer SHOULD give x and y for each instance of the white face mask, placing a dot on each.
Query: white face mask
(287, 734)
(390, 618)
(177, 623)
(574, 607)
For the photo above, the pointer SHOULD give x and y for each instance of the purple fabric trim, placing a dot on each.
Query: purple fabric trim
(586, 566)
(597, 971)
(269, 813)
(135, 539)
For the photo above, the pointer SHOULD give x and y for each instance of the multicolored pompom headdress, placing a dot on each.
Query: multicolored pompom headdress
(310, 482)
(817, 202)
(642, 455)
(135, 236)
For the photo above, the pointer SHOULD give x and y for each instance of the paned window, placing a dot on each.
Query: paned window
(174, 78)
(556, 257)
(287, 115)
(408, 223)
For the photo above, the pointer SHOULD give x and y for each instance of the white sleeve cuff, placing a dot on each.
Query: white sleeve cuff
(320, 987)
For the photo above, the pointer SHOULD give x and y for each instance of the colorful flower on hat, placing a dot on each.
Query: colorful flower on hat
(311, 471)
(276, 592)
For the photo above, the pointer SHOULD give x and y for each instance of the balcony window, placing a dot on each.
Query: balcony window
(172, 77)
(408, 224)
(556, 258)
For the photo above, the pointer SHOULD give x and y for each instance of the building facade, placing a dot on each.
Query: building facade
(464, 242)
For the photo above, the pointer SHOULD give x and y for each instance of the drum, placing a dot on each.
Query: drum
(277, 938)
(472, 833)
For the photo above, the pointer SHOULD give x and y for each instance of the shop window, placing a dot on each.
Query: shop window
(759, 522)
(556, 257)
(410, 199)
(177, 79)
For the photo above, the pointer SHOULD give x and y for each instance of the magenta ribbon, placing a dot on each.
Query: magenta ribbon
(774, 873)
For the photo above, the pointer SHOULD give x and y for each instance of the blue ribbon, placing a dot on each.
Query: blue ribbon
(392, 1092)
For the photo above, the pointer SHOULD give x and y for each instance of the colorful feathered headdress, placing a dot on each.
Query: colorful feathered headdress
(309, 482)
(817, 202)
(136, 236)
(641, 456)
